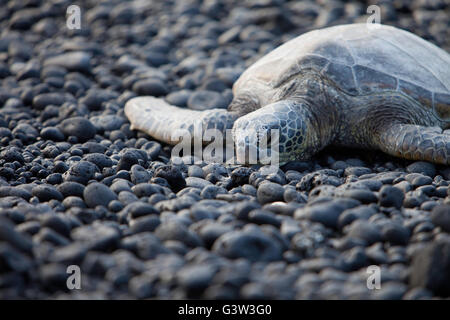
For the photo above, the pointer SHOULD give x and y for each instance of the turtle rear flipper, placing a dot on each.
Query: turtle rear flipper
(169, 123)
(416, 142)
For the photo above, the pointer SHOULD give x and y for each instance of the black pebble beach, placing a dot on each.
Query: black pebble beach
(79, 187)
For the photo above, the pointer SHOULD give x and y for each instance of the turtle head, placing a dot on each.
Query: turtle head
(272, 135)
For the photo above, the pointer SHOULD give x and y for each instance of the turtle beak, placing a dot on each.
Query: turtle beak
(246, 148)
(254, 144)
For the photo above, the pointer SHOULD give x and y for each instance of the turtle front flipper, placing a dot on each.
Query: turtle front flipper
(172, 124)
(415, 142)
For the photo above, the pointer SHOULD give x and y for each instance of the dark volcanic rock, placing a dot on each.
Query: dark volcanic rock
(422, 167)
(71, 188)
(78, 61)
(46, 193)
(79, 127)
(172, 175)
(45, 99)
(430, 268)
(326, 213)
(251, 245)
(150, 87)
(175, 231)
(440, 216)
(391, 197)
(365, 231)
(97, 194)
(9, 235)
(270, 192)
(205, 99)
(81, 172)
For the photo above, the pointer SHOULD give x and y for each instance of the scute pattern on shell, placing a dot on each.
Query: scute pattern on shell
(362, 61)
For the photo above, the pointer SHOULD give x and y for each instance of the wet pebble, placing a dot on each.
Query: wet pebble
(251, 245)
(81, 172)
(391, 197)
(97, 194)
(326, 213)
(270, 192)
(422, 167)
(429, 269)
(205, 99)
(78, 127)
(172, 175)
(440, 216)
(79, 61)
(46, 193)
(365, 231)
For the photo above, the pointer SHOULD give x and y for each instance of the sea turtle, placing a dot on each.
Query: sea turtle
(349, 85)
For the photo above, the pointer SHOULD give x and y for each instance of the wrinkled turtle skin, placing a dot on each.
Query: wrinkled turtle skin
(350, 85)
